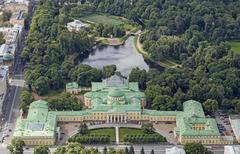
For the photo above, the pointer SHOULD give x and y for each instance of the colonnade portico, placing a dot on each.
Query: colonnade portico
(116, 118)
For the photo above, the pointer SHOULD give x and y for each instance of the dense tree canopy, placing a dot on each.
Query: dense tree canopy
(189, 32)
(41, 150)
(16, 146)
(51, 50)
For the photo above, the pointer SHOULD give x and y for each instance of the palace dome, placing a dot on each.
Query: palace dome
(115, 93)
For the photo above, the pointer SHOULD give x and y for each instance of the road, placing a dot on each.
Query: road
(10, 106)
(158, 149)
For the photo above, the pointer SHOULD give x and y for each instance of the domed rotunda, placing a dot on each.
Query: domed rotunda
(116, 96)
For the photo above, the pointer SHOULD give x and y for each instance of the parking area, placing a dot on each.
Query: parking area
(166, 129)
(5, 133)
(223, 124)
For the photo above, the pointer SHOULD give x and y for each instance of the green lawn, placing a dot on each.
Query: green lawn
(103, 19)
(104, 131)
(235, 45)
(128, 131)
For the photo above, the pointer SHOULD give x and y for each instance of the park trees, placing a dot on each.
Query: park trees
(26, 99)
(109, 70)
(139, 76)
(60, 150)
(195, 148)
(65, 101)
(147, 128)
(41, 150)
(210, 105)
(16, 146)
(2, 40)
(83, 129)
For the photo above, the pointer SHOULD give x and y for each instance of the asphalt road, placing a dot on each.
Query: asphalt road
(10, 107)
(158, 149)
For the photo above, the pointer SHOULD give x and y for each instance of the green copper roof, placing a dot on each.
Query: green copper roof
(160, 113)
(193, 108)
(39, 122)
(193, 114)
(72, 85)
(7, 56)
(116, 93)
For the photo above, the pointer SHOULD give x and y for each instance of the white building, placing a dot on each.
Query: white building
(231, 150)
(76, 25)
(3, 85)
(235, 124)
(175, 150)
(26, 2)
(14, 35)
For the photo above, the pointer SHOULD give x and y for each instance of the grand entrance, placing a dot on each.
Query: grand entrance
(116, 118)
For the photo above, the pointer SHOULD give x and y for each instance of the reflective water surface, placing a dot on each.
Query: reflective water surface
(125, 57)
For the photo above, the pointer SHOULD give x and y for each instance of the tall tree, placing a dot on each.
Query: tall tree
(210, 105)
(147, 128)
(16, 146)
(83, 129)
(105, 150)
(152, 151)
(131, 150)
(41, 150)
(142, 151)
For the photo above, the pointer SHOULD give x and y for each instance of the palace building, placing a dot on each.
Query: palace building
(115, 100)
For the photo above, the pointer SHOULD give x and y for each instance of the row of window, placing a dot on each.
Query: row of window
(207, 141)
(200, 136)
(39, 142)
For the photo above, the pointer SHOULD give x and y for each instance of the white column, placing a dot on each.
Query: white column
(125, 118)
(117, 118)
(110, 118)
(107, 118)
(121, 118)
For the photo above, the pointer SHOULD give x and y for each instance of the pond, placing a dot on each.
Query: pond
(125, 57)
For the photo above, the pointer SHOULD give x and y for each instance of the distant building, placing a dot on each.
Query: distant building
(76, 25)
(13, 38)
(73, 88)
(40, 126)
(17, 18)
(235, 124)
(175, 150)
(7, 56)
(3, 85)
(231, 149)
(5, 30)
(17, 5)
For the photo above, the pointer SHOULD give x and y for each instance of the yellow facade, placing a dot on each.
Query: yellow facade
(39, 141)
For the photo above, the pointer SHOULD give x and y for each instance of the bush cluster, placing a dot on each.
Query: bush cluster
(90, 139)
(144, 138)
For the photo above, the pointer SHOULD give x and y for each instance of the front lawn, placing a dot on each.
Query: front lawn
(104, 131)
(128, 133)
(95, 136)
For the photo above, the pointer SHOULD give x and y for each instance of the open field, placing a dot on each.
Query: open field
(235, 45)
(102, 19)
(104, 131)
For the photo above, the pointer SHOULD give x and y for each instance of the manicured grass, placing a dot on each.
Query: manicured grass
(104, 131)
(235, 45)
(128, 131)
(103, 19)
(133, 135)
